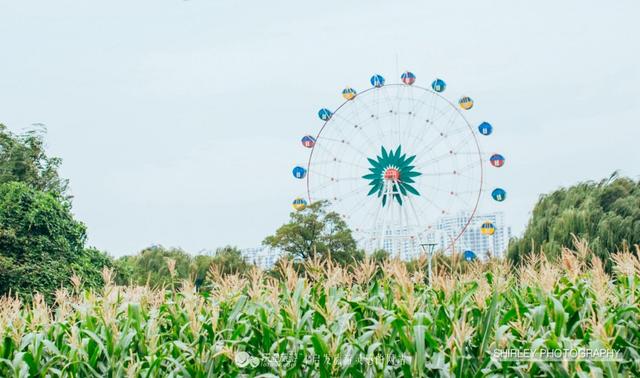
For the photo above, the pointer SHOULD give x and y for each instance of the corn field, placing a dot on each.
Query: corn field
(371, 320)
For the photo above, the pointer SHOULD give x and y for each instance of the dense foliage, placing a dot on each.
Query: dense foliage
(316, 232)
(333, 322)
(607, 213)
(155, 266)
(23, 159)
(41, 245)
(149, 267)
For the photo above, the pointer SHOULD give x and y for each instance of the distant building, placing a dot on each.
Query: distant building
(397, 243)
(472, 239)
(263, 257)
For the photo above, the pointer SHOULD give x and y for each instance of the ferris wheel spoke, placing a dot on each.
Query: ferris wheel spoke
(434, 160)
(439, 139)
(355, 128)
(466, 203)
(352, 193)
(357, 104)
(357, 207)
(368, 123)
(433, 204)
(359, 127)
(336, 179)
(415, 109)
(458, 131)
(389, 103)
(450, 112)
(433, 102)
(340, 161)
(467, 176)
(398, 111)
(435, 174)
(437, 189)
(457, 172)
(337, 160)
(450, 153)
(430, 146)
(345, 143)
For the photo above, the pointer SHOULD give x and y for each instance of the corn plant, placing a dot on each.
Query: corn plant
(371, 320)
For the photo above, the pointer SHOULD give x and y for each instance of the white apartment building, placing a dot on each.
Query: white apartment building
(473, 239)
(263, 257)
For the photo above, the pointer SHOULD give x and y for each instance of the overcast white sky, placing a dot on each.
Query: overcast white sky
(179, 121)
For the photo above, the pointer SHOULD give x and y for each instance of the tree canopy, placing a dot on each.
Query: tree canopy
(23, 159)
(316, 232)
(605, 213)
(229, 260)
(151, 267)
(41, 245)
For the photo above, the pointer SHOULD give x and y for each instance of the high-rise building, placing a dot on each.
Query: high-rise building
(263, 257)
(398, 244)
(473, 239)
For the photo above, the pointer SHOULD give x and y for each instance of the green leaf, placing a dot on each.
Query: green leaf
(411, 189)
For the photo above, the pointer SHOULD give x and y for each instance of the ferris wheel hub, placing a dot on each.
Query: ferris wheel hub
(392, 174)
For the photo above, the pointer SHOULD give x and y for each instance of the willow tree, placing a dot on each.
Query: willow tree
(605, 213)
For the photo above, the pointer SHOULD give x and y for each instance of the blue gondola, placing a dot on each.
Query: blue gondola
(377, 81)
(324, 114)
(439, 85)
(485, 128)
(469, 255)
(299, 172)
(499, 194)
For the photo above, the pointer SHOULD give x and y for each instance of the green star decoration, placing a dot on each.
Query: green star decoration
(395, 161)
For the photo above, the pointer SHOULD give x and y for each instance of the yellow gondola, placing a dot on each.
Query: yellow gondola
(466, 103)
(349, 93)
(299, 204)
(487, 228)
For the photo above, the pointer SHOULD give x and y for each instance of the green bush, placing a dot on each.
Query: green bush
(41, 245)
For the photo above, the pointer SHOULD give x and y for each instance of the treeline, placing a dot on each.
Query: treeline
(158, 266)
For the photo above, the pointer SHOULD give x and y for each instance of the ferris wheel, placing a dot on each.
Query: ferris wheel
(394, 160)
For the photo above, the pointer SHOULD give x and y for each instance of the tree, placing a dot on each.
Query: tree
(380, 256)
(229, 260)
(41, 245)
(152, 266)
(316, 232)
(605, 213)
(200, 267)
(23, 159)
